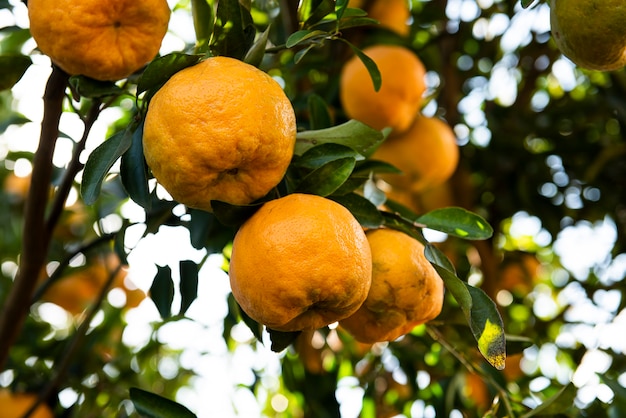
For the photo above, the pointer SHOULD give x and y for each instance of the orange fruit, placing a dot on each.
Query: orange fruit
(219, 130)
(15, 405)
(406, 290)
(105, 40)
(401, 93)
(590, 33)
(427, 154)
(300, 262)
(392, 14)
(79, 289)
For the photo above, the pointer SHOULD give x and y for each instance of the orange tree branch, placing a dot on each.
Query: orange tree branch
(72, 169)
(35, 236)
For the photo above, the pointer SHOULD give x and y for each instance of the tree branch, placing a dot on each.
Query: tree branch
(35, 237)
(72, 169)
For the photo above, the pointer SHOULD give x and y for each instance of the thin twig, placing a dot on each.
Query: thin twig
(73, 168)
(35, 236)
(74, 344)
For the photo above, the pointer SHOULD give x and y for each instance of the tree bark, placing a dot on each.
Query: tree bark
(35, 237)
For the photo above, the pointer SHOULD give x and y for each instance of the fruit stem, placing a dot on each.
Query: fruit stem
(35, 237)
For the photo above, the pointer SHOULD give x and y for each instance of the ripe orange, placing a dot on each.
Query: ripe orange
(392, 14)
(15, 405)
(400, 96)
(79, 289)
(406, 290)
(300, 262)
(427, 154)
(105, 40)
(219, 130)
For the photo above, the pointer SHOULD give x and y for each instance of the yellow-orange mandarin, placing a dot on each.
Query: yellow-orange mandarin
(219, 130)
(406, 290)
(101, 39)
(300, 262)
(427, 154)
(400, 96)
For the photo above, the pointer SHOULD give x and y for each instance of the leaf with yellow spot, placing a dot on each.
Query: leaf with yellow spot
(487, 327)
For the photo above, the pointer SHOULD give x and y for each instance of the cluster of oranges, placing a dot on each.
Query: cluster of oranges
(225, 130)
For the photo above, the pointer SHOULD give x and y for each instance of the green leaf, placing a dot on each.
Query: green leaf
(353, 134)
(162, 291)
(234, 31)
(255, 54)
(255, 327)
(325, 180)
(13, 68)
(319, 116)
(13, 118)
(371, 66)
(202, 14)
(526, 3)
(199, 227)
(363, 210)
(12, 40)
(134, 173)
(161, 69)
(457, 222)
(356, 22)
(318, 156)
(151, 405)
(311, 12)
(556, 404)
(487, 327)
(233, 215)
(118, 243)
(300, 54)
(188, 284)
(94, 89)
(100, 162)
(281, 340)
(304, 35)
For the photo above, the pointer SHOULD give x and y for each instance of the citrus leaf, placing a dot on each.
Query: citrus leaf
(371, 66)
(13, 118)
(526, 3)
(13, 68)
(93, 89)
(311, 12)
(202, 14)
(363, 210)
(319, 116)
(255, 54)
(188, 284)
(325, 180)
(162, 291)
(322, 154)
(134, 173)
(233, 215)
(556, 404)
(458, 222)
(281, 340)
(487, 327)
(12, 40)
(302, 36)
(254, 326)
(161, 69)
(234, 31)
(300, 54)
(352, 133)
(100, 162)
(151, 405)
(357, 21)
